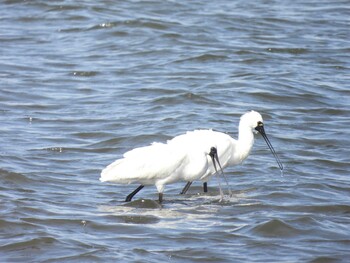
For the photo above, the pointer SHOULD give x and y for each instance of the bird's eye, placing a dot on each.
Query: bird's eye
(260, 123)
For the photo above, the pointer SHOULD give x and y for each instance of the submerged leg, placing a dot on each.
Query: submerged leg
(160, 198)
(186, 188)
(131, 195)
(205, 187)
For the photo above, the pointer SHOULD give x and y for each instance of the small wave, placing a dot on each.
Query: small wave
(144, 203)
(276, 228)
(85, 73)
(203, 58)
(138, 219)
(188, 97)
(138, 23)
(38, 242)
(326, 209)
(109, 144)
(13, 177)
(324, 259)
(294, 51)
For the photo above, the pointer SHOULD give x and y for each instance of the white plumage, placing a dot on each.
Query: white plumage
(185, 157)
(158, 164)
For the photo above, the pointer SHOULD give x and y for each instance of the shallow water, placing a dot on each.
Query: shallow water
(83, 82)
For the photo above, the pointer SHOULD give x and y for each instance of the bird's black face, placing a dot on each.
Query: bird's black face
(260, 127)
(261, 130)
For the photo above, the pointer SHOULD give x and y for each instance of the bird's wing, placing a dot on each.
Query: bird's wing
(144, 165)
(145, 150)
(204, 140)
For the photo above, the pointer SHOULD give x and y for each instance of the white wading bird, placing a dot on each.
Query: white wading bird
(187, 157)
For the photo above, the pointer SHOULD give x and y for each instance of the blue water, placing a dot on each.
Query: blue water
(83, 82)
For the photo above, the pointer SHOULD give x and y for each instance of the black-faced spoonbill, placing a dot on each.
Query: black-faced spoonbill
(186, 157)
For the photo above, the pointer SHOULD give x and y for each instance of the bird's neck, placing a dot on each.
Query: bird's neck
(245, 142)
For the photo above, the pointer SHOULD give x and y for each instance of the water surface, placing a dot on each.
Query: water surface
(83, 82)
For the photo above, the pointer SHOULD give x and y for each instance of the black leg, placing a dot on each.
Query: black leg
(186, 188)
(160, 198)
(131, 195)
(205, 187)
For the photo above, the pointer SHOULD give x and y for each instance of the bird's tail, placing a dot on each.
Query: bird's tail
(109, 173)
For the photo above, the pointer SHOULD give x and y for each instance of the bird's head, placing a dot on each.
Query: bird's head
(255, 121)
